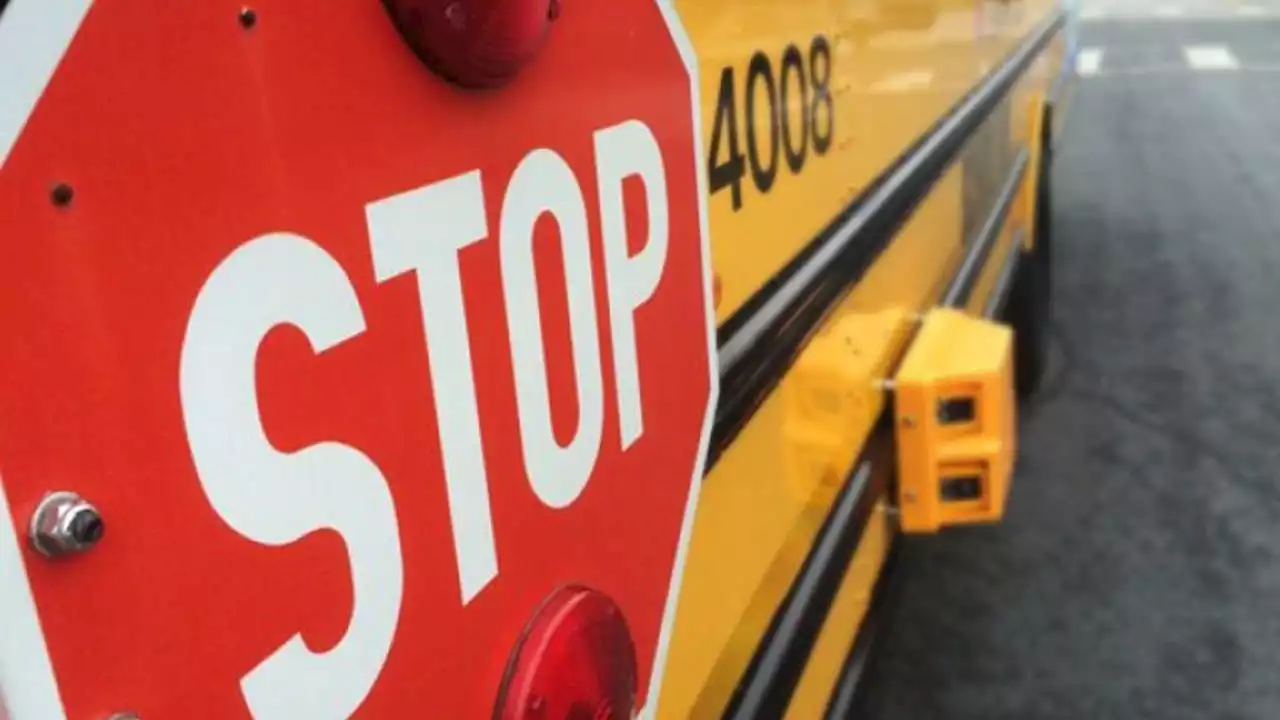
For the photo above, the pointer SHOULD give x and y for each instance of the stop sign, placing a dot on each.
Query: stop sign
(357, 367)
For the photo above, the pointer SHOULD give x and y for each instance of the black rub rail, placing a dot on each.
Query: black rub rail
(962, 284)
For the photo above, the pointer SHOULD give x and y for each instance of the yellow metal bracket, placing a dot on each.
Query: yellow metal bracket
(834, 395)
(955, 413)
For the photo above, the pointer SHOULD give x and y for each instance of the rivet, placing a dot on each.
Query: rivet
(248, 17)
(61, 194)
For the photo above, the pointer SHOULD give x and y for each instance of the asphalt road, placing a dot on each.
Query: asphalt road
(1137, 574)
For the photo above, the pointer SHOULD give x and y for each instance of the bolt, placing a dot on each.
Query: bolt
(61, 194)
(248, 18)
(64, 523)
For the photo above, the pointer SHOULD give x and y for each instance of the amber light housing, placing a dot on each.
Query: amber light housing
(576, 661)
(474, 43)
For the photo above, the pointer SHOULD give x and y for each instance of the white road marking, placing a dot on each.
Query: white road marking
(1088, 61)
(1210, 57)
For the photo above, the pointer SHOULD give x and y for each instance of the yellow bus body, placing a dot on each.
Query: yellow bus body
(897, 70)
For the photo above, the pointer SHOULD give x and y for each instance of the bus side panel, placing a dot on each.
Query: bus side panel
(761, 507)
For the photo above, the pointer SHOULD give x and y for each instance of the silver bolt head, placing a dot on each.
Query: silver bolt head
(65, 523)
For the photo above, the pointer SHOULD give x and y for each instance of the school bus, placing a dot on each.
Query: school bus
(503, 358)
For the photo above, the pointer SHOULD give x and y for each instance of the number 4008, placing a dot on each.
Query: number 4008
(810, 80)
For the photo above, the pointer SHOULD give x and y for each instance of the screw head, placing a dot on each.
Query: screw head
(248, 18)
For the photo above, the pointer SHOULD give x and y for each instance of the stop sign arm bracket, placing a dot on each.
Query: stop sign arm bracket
(954, 421)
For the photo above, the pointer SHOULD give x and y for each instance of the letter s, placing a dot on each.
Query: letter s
(273, 497)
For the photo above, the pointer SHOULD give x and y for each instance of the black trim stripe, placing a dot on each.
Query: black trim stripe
(1004, 281)
(1052, 111)
(845, 699)
(775, 669)
(961, 288)
(762, 339)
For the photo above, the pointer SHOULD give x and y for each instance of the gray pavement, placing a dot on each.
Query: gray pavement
(1137, 574)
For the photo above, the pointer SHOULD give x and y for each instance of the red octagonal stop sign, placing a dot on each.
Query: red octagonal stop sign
(358, 367)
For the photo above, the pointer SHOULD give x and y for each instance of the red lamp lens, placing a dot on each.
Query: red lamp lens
(576, 661)
(475, 43)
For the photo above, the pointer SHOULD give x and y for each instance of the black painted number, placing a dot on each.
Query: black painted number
(823, 113)
(761, 72)
(729, 173)
(769, 100)
(793, 71)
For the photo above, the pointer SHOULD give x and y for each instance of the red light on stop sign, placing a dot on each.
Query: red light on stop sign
(576, 660)
(475, 43)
